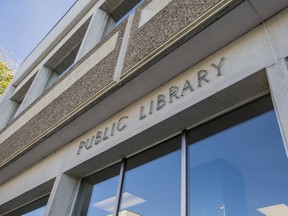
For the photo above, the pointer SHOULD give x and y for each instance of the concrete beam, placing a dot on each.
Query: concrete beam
(278, 78)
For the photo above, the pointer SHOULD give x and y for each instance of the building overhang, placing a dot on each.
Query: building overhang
(174, 60)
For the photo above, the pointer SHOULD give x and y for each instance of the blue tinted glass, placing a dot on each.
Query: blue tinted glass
(240, 171)
(153, 189)
(36, 212)
(102, 202)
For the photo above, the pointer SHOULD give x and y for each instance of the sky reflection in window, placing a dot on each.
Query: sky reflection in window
(103, 200)
(153, 188)
(240, 171)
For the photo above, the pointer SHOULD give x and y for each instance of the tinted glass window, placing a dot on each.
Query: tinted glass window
(97, 195)
(240, 171)
(102, 202)
(153, 188)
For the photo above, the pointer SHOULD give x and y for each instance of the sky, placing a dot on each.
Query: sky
(24, 23)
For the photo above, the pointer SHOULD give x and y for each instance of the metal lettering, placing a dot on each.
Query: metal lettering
(173, 93)
(219, 66)
(151, 107)
(105, 135)
(81, 146)
(88, 144)
(187, 86)
(92, 140)
(202, 74)
(155, 104)
(121, 127)
(112, 129)
(160, 102)
(142, 115)
(98, 137)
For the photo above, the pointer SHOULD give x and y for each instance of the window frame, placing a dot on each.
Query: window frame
(185, 138)
(117, 11)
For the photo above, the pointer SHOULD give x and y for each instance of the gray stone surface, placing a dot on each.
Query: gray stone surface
(163, 26)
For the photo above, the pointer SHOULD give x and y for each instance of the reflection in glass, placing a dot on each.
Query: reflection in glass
(153, 189)
(36, 212)
(103, 198)
(240, 171)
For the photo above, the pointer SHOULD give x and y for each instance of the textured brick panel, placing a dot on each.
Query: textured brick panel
(92, 82)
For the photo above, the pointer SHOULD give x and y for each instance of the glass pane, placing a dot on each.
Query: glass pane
(153, 188)
(102, 201)
(240, 171)
(36, 212)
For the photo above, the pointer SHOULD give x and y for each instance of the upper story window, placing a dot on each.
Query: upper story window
(19, 95)
(118, 10)
(65, 57)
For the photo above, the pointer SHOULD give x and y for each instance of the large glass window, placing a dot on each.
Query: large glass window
(64, 58)
(153, 188)
(98, 193)
(237, 165)
(240, 171)
(103, 197)
(149, 185)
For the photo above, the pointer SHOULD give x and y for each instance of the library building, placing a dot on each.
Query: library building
(151, 108)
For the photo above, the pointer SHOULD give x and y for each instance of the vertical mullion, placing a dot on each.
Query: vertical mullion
(184, 174)
(120, 187)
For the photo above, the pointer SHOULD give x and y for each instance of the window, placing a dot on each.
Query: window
(118, 10)
(237, 165)
(15, 110)
(151, 185)
(242, 170)
(19, 95)
(98, 193)
(65, 57)
(154, 187)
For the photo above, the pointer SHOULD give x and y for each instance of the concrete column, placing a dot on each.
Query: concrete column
(7, 106)
(62, 196)
(278, 81)
(94, 32)
(36, 88)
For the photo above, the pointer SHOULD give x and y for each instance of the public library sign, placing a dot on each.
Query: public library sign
(156, 104)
